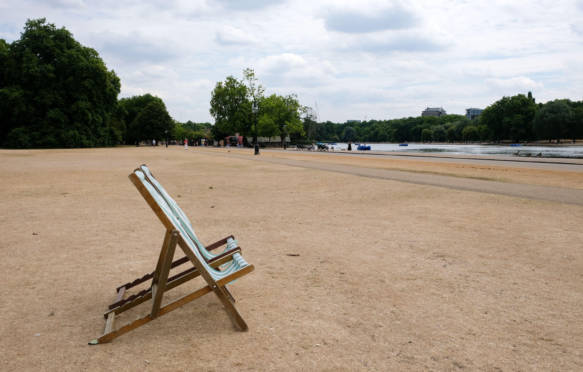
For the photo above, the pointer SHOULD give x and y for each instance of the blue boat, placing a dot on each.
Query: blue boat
(333, 144)
(404, 144)
(516, 145)
(363, 148)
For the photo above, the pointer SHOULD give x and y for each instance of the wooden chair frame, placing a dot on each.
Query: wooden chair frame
(162, 283)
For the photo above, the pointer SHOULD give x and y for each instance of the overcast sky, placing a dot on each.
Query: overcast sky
(356, 59)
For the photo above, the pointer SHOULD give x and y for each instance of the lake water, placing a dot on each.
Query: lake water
(573, 152)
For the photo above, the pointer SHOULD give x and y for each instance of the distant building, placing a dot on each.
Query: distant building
(471, 113)
(354, 121)
(434, 111)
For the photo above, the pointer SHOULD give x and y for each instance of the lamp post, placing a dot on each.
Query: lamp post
(255, 111)
(284, 126)
(166, 138)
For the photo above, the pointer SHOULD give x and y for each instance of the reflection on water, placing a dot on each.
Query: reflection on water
(573, 152)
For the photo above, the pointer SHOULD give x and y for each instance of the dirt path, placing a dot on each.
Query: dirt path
(553, 194)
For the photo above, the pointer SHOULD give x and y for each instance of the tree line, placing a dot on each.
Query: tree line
(516, 118)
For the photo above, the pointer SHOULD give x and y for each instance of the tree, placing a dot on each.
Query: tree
(55, 92)
(349, 134)
(518, 127)
(459, 126)
(470, 134)
(231, 107)
(426, 135)
(284, 112)
(416, 133)
(439, 134)
(451, 134)
(553, 120)
(268, 127)
(575, 130)
(401, 133)
(152, 123)
(520, 112)
(493, 116)
(485, 133)
(128, 111)
(510, 117)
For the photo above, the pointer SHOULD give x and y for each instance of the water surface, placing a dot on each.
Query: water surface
(573, 152)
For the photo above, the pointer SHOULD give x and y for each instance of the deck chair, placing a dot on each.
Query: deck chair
(177, 234)
(185, 222)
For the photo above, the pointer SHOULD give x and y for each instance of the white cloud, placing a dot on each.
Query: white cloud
(232, 36)
(154, 73)
(516, 84)
(371, 16)
(577, 28)
(279, 71)
(428, 40)
(62, 4)
(136, 46)
(246, 5)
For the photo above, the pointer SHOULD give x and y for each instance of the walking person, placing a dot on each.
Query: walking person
(153, 142)
(349, 146)
(186, 143)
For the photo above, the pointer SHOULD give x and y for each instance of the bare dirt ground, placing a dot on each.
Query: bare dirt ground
(390, 275)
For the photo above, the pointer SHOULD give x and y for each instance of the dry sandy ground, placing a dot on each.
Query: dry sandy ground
(390, 276)
(494, 173)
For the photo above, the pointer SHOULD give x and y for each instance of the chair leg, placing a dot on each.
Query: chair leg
(229, 306)
(160, 279)
(229, 294)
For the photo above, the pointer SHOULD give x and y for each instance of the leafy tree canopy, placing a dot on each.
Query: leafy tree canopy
(281, 116)
(426, 135)
(553, 120)
(349, 134)
(470, 134)
(55, 92)
(152, 122)
(231, 107)
(439, 134)
(510, 117)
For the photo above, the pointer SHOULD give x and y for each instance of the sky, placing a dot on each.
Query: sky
(356, 60)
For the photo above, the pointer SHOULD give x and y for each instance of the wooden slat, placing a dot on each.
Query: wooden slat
(176, 263)
(173, 305)
(173, 282)
(216, 245)
(109, 323)
(236, 275)
(163, 256)
(160, 287)
(164, 310)
(151, 202)
(120, 294)
(229, 293)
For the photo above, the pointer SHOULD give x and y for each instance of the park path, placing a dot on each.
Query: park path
(560, 164)
(545, 193)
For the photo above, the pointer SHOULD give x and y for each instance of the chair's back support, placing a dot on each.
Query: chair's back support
(166, 215)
